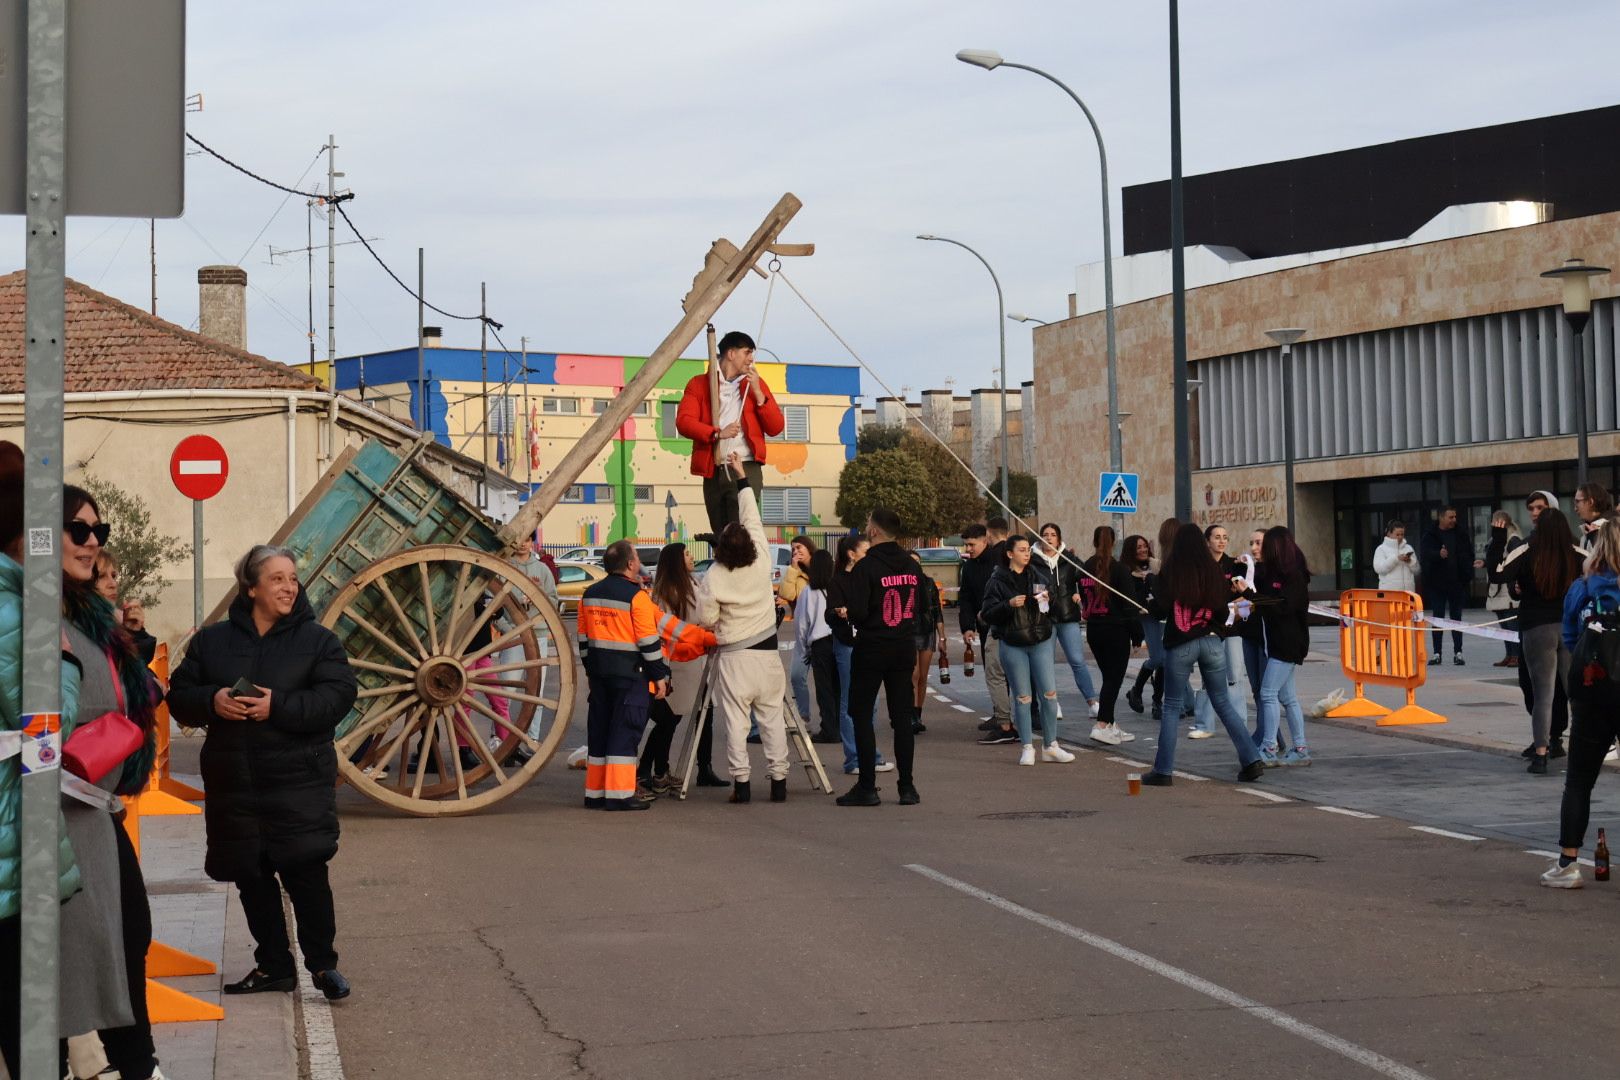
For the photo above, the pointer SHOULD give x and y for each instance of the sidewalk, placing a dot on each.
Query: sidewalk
(258, 1036)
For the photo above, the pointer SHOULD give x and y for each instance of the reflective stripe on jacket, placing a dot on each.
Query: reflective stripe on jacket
(618, 631)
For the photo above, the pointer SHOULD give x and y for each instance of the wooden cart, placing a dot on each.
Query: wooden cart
(455, 646)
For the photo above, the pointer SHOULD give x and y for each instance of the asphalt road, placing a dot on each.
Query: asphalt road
(1019, 923)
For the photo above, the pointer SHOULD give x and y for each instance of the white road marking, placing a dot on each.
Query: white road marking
(1187, 775)
(1268, 796)
(1359, 1054)
(320, 1038)
(1132, 764)
(962, 708)
(1555, 854)
(942, 697)
(1348, 813)
(1444, 832)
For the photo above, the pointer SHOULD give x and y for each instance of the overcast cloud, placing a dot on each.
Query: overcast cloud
(580, 157)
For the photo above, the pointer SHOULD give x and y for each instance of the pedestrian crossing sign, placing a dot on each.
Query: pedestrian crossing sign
(1116, 492)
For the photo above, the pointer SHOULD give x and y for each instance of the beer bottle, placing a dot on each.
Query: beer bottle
(1600, 858)
(967, 658)
(944, 664)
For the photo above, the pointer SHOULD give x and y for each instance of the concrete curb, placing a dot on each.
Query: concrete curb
(1430, 735)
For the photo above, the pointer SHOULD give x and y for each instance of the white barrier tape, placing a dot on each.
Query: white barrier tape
(1422, 621)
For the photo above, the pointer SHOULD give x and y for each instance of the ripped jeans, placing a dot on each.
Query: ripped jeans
(1029, 672)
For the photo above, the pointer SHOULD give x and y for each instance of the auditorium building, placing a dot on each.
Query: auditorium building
(1436, 366)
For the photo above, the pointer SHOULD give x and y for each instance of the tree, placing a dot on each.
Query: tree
(891, 478)
(957, 498)
(142, 553)
(875, 437)
(1020, 493)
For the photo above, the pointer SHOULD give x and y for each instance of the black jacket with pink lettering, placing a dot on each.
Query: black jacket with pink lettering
(883, 594)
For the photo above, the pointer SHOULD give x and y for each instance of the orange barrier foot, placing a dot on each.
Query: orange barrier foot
(1410, 714)
(156, 803)
(1359, 706)
(170, 786)
(167, 962)
(166, 1005)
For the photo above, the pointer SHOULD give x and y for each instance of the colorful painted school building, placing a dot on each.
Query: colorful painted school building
(641, 486)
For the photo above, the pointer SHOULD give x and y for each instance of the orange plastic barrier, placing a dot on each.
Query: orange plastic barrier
(1382, 642)
(165, 797)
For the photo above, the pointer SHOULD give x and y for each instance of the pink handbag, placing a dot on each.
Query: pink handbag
(97, 748)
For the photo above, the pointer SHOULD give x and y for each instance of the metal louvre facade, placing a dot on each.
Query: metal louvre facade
(1489, 378)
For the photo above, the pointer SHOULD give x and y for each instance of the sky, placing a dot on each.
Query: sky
(579, 158)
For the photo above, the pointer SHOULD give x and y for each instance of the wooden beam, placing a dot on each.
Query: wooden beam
(713, 285)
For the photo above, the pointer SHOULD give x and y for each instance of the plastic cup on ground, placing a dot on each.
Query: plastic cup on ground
(1133, 783)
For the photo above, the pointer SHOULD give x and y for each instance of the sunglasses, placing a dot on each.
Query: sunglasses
(80, 532)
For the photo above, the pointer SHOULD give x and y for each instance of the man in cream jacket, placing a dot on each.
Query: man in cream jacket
(736, 601)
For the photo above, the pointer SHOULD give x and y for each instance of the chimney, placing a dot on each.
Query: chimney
(432, 337)
(222, 305)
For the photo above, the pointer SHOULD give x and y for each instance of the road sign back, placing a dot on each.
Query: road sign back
(1116, 492)
(199, 467)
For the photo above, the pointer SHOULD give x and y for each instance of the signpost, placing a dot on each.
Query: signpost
(199, 469)
(109, 84)
(1116, 492)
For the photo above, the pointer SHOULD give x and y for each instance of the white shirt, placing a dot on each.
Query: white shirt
(731, 410)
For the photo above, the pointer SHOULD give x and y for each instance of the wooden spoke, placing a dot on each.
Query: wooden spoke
(479, 747)
(495, 718)
(427, 608)
(530, 662)
(497, 690)
(365, 624)
(384, 691)
(430, 743)
(505, 641)
(455, 752)
(369, 723)
(456, 603)
(381, 669)
(490, 611)
(399, 616)
(401, 742)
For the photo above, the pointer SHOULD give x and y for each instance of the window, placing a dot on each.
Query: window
(795, 424)
(575, 494)
(568, 575)
(503, 413)
(563, 405)
(785, 506)
(643, 493)
(599, 406)
(666, 419)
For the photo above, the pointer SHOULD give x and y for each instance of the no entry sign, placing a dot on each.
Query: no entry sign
(199, 467)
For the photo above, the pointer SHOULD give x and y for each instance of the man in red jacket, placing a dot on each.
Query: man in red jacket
(748, 414)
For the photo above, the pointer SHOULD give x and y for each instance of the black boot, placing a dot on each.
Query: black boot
(908, 795)
(706, 777)
(917, 726)
(778, 790)
(860, 796)
(740, 792)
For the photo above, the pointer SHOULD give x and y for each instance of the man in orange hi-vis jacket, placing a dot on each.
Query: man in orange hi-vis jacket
(623, 656)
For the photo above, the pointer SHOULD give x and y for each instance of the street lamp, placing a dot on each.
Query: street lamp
(1577, 280)
(1001, 331)
(1017, 316)
(1286, 336)
(988, 60)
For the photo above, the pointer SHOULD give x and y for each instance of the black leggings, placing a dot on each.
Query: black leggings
(130, 1049)
(655, 755)
(1111, 645)
(889, 665)
(824, 665)
(1594, 731)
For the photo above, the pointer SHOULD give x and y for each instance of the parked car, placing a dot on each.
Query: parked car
(573, 578)
(781, 558)
(591, 555)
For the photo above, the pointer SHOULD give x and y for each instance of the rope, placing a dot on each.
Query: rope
(770, 286)
(1022, 522)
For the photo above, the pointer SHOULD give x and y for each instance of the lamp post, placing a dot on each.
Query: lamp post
(1576, 277)
(1016, 316)
(990, 61)
(1286, 336)
(1001, 331)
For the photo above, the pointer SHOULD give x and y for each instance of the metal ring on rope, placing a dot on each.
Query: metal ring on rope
(774, 265)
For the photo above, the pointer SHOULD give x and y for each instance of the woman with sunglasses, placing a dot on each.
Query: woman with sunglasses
(107, 928)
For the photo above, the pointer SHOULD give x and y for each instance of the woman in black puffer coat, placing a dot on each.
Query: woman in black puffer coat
(268, 763)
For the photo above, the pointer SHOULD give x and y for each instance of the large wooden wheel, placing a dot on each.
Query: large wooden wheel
(442, 638)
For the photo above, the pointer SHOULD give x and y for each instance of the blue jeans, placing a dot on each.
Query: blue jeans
(1153, 634)
(1236, 652)
(1208, 654)
(1072, 640)
(799, 677)
(1276, 695)
(846, 726)
(1030, 672)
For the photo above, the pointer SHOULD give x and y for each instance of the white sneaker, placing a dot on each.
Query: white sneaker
(576, 758)
(1060, 711)
(1122, 735)
(1565, 877)
(1027, 755)
(1096, 709)
(377, 773)
(1054, 752)
(1104, 734)
(884, 766)
(1199, 733)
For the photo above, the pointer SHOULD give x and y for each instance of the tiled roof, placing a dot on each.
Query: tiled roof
(112, 345)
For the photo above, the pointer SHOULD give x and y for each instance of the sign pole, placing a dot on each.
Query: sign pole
(46, 208)
(196, 564)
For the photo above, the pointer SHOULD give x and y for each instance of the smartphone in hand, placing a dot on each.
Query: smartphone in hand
(244, 688)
